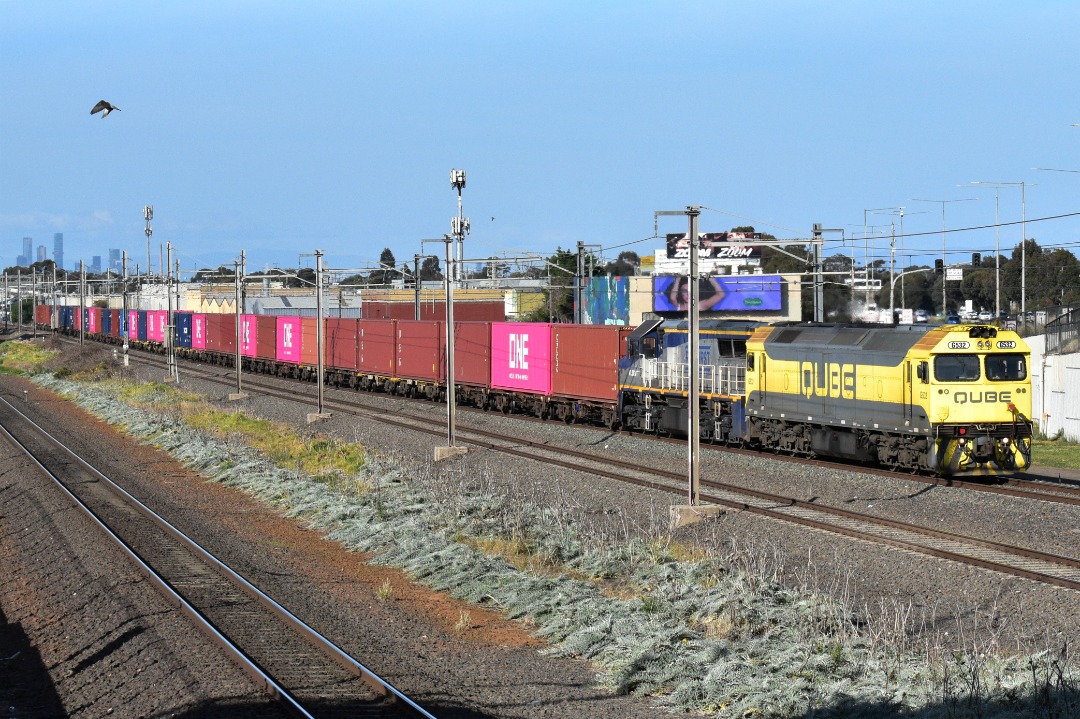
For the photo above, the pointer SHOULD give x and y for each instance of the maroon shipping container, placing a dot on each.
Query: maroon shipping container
(221, 333)
(494, 311)
(585, 360)
(42, 314)
(341, 343)
(377, 347)
(421, 350)
(266, 337)
(485, 311)
(114, 322)
(472, 353)
(309, 342)
(377, 310)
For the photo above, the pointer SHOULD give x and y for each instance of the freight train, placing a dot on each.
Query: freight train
(951, 400)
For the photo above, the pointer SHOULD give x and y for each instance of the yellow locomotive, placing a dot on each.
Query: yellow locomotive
(953, 399)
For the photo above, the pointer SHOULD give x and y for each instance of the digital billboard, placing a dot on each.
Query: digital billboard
(715, 246)
(607, 301)
(732, 293)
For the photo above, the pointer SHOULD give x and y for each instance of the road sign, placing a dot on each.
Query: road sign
(954, 273)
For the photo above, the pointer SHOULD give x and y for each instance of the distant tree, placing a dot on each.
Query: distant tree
(562, 269)
(430, 270)
(625, 264)
(220, 275)
(386, 272)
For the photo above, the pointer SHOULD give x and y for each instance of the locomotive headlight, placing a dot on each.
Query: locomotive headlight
(1005, 440)
(962, 442)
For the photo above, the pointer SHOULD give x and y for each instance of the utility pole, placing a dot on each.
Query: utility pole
(819, 279)
(684, 515)
(416, 283)
(82, 302)
(579, 283)
(18, 297)
(459, 224)
(54, 319)
(320, 339)
(451, 449)
(170, 324)
(33, 303)
(124, 324)
(148, 214)
(237, 281)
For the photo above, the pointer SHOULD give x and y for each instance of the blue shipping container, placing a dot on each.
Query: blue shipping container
(183, 329)
(140, 331)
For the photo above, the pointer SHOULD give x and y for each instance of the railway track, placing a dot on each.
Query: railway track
(1019, 488)
(305, 672)
(1018, 561)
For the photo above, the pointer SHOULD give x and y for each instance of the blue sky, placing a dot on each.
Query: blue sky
(280, 128)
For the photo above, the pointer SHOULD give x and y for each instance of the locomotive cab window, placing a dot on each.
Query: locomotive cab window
(1006, 367)
(749, 361)
(956, 368)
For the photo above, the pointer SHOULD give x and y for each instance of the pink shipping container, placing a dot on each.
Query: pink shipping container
(221, 333)
(198, 331)
(340, 343)
(93, 320)
(289, 336)
(421, 350)
(151, 326)
(155, 325)
(472, 353)
(521, 356)
(249, 334)
(309, 341)
(132, 325)
(585, 360)
(266, 337)
(377, 342)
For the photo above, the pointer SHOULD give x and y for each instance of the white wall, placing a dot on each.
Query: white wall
(1055, 389)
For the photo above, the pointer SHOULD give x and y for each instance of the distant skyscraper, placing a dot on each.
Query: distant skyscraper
(58, 250)
(116, 261)
(41, 255)
(27, 255)
(95, 264)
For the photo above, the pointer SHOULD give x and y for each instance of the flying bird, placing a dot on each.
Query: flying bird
(104, 105)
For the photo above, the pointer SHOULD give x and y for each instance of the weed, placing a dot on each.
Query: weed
(23, 357)
(464, 622)
(385, 591)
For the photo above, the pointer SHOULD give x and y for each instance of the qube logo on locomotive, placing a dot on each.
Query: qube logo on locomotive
(827, 379)
(980, 397)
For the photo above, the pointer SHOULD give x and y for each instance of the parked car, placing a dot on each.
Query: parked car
(952, 319)
(986, 316)
(922, 316)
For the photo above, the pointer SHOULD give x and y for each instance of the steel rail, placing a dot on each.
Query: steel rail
(406, 704)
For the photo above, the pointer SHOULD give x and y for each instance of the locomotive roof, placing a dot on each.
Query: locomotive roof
(747, 325)
(870, 337)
